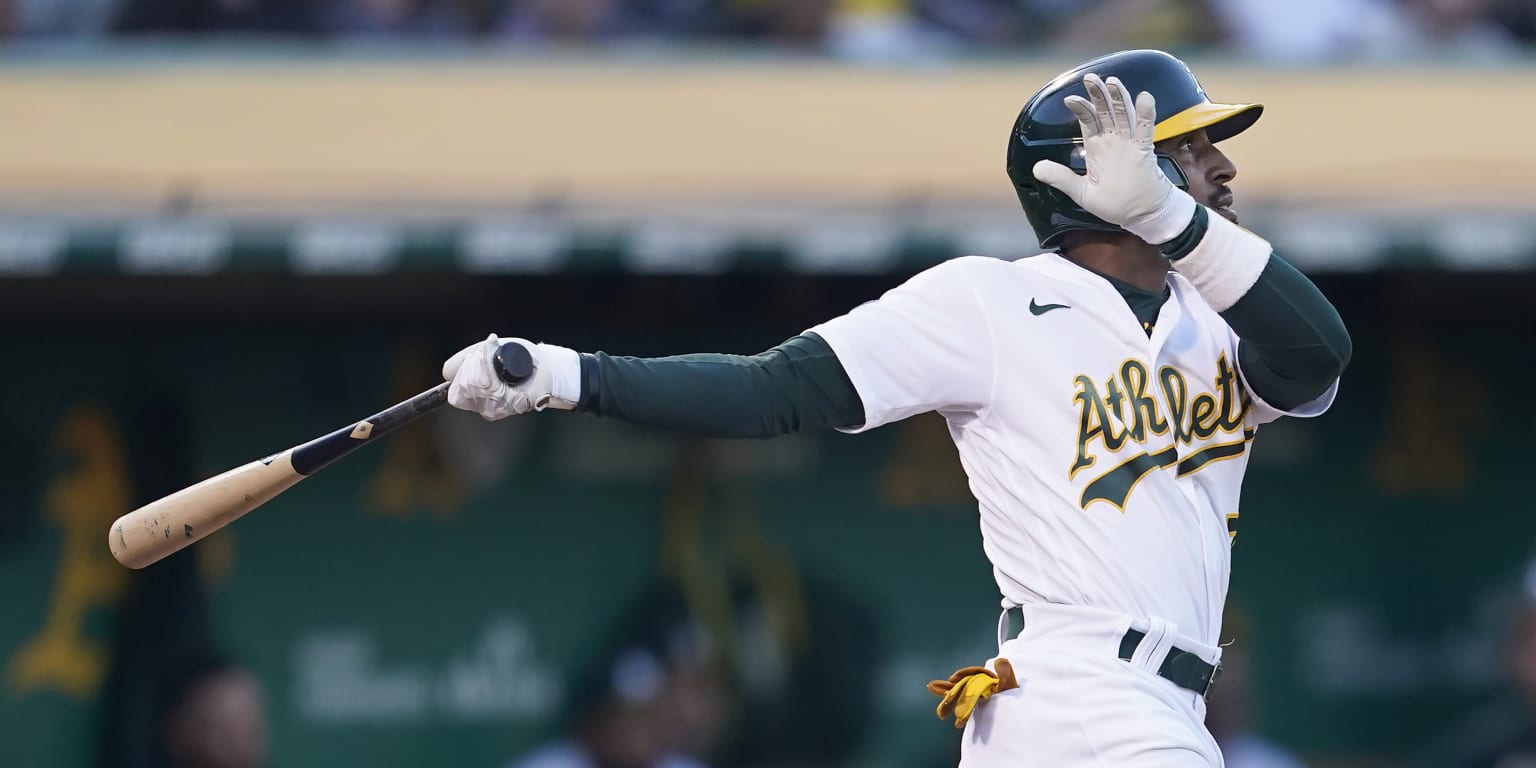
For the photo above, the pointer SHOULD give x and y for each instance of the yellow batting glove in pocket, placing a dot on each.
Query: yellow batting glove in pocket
(968, 687)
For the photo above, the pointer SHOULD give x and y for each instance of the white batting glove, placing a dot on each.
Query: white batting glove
(1123, 186)
(555, 383)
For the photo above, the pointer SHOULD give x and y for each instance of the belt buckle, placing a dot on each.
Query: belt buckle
(1210, 685)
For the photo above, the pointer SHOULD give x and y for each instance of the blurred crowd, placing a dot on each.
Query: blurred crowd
(1300, 31)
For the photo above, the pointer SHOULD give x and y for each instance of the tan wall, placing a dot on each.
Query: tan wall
(505, 130)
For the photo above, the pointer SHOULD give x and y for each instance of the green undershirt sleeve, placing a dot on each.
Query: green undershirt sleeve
(1292, 342)
(795, 386)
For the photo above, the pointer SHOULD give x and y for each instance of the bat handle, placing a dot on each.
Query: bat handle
(513, 364)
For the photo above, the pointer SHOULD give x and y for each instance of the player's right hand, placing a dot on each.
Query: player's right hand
(1123, 185)
(476, 387)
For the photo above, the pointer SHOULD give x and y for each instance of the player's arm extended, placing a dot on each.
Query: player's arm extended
(843, 373)
(797, 385)
(1293, 344)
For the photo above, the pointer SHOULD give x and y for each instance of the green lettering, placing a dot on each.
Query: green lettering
(1116, 400)
(1202, 416)
(1176, 394)
(1093, 422)
(1234, 402)
(1143, 406)
(1088, 422)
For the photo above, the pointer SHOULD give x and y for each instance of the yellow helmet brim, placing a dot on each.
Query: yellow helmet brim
(1220, 121)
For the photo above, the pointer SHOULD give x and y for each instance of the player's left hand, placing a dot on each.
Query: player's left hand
(476, 387)
(1123, 186)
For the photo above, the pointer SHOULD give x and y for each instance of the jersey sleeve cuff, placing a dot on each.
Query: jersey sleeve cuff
(1265, 412)
(842, 348)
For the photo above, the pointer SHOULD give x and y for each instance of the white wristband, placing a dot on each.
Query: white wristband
(1225, 263)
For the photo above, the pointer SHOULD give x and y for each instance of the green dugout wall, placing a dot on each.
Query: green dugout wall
(434, 600)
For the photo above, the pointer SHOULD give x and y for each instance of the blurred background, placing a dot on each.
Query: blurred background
(227, 226)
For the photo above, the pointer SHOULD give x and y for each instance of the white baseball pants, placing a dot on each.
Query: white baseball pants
(1078, 704)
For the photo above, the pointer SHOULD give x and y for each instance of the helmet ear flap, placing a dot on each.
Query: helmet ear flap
(1171, 169)
(1036, 194)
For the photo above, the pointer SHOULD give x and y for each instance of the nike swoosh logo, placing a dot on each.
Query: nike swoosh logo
(1040, 309)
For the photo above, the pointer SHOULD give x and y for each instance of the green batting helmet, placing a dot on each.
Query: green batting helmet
(1047, 130)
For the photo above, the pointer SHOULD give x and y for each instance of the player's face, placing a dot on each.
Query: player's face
(1209, 170)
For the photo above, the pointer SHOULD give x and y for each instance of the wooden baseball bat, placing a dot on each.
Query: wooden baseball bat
(166, 525)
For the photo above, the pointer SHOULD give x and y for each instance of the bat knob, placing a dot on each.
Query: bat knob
(513, 364)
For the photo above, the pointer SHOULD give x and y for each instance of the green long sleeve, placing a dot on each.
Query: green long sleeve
(1292, 342)
(795, 386)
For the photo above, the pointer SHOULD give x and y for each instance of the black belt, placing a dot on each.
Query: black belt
(1185, 669)
(1182, 668)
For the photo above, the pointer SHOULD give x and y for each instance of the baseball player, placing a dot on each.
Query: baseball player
(1102, 396)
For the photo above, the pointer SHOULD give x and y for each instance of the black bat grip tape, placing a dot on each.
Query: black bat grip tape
(513, 364)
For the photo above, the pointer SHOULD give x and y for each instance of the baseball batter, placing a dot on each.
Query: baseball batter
(1103, 398)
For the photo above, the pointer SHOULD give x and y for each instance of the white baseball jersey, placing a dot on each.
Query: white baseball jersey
(1106, 463)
